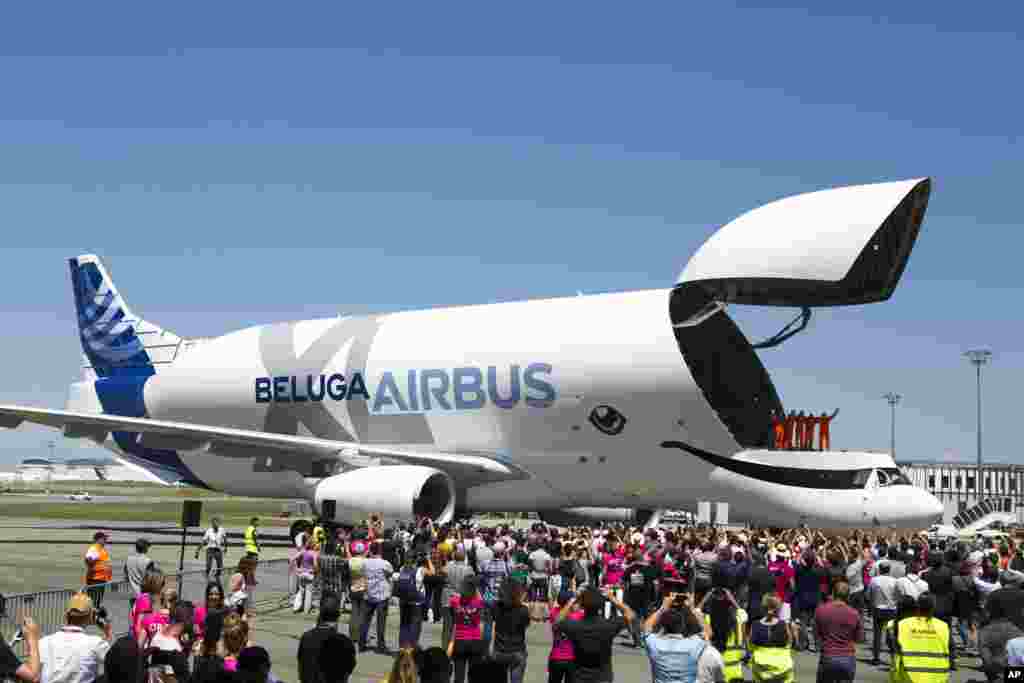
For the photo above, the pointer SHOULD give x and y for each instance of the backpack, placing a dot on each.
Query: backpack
(493, 582)
(405, 590)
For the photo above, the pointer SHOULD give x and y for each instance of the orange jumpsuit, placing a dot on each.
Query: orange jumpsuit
(823, 437)
(779, 430)
(810, 423)
(788, 427)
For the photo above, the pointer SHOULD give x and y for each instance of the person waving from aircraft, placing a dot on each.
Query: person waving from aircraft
(799, 431)
(778, 430)
(788, 430)
(823, 436)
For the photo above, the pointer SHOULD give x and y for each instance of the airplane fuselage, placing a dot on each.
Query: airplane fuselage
(517, 382)
(633, 402)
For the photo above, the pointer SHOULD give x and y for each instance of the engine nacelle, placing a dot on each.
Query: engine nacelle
(588, 516)
(396, 492)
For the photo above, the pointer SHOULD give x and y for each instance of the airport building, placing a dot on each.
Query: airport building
(40, 471)
(954, 484)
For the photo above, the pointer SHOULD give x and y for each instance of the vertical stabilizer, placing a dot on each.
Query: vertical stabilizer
(115, 341)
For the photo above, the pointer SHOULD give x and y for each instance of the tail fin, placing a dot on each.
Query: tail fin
(116, 342)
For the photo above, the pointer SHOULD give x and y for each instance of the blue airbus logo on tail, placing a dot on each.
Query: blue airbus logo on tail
(106, 326)
(419, 390)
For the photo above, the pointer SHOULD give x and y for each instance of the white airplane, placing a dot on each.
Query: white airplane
(580, 408)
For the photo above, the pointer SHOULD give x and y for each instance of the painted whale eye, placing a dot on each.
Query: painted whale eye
(607, 420)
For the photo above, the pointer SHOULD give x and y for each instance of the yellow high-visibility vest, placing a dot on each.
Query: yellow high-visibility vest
(250, 541)
(771, 664)
(734, 650)
(922, 651)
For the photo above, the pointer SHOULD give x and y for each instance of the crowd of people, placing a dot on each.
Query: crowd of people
(703, 604)
(795, 431)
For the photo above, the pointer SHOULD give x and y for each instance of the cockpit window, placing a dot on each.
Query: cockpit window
(860, 478)
(891, 476)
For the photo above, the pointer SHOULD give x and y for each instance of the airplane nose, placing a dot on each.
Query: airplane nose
(935, 509)
(908, 507)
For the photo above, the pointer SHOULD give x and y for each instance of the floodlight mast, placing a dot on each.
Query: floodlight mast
(893, 399)
(978, 358)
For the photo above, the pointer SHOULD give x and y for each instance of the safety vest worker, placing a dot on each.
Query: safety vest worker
(252, 546)
(97, 560)
(922, 646)
(734, 651)
(770, 657)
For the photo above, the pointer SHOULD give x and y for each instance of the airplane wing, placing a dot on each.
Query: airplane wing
(465, 468)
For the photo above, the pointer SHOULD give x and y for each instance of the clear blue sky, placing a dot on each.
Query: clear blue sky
(251, 165)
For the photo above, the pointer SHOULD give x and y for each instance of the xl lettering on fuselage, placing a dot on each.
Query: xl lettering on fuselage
(419, 390)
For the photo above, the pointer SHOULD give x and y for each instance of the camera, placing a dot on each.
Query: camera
(102, 619)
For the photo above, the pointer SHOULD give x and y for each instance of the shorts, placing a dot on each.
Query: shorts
(785, 613)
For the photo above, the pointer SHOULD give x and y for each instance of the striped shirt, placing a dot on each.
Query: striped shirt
(378, 579)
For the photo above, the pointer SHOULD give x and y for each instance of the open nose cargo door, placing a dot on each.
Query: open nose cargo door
(835, 247)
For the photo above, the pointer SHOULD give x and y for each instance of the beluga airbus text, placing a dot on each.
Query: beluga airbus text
(627, 403)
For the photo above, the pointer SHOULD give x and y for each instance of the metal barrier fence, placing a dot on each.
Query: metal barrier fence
(275, 584)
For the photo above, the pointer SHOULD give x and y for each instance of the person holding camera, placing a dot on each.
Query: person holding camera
(71, 655)
(593, 635)
(679, 652)
(412, 596)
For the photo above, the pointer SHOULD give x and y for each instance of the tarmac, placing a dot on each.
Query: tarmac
(38, 555)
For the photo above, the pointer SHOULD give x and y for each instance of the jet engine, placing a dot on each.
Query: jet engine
(589, 516)
(396, 492)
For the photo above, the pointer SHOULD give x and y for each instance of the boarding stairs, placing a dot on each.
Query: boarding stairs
(982, 515)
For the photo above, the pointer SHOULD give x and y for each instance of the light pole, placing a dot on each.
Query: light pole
(978, 357)
(893, 399)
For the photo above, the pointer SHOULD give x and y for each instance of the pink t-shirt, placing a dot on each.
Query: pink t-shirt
(199, 621)
(561, 647)
(467, 617)
(230, 664)
(143, 605)
(151, 623)
(614, 567)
